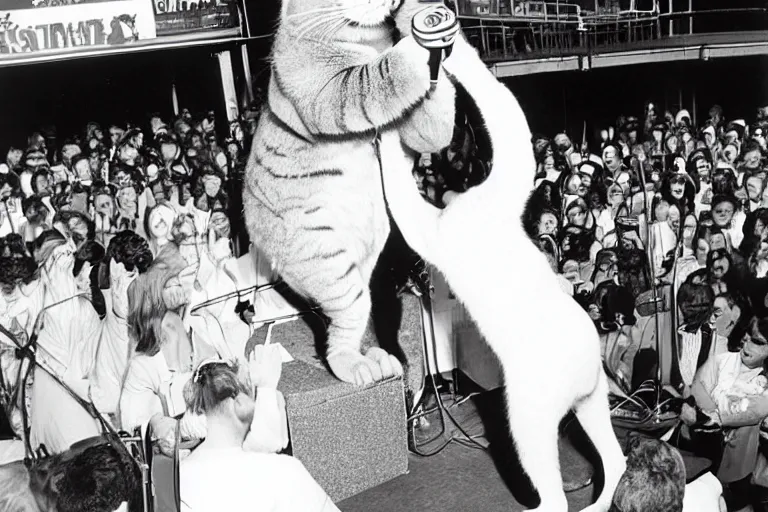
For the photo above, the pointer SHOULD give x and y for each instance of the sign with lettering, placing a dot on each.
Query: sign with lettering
(51, 26)
(174, 17)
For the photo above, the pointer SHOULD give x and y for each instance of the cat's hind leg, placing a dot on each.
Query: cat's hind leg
(345, 333)
(534, 427)
(346, 301)
(594, 415)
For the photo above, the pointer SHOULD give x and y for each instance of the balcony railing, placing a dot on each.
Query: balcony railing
(511, 29)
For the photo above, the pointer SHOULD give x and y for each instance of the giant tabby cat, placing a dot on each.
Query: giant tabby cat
(313, 200)
(479, 244)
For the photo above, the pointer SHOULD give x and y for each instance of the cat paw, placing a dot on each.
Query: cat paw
(430, 127)
(388, 364)
(353, 367)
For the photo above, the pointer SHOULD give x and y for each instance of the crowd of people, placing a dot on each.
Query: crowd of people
(119, 239)
(662, 236)
(119, 270)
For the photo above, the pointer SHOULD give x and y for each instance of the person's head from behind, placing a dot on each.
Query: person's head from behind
(654, 480)
(93, 476)
(128, 255)
(222, 392)
(129, 251)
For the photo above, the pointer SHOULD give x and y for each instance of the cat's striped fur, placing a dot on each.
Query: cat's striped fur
(547, 345)
(312, 196)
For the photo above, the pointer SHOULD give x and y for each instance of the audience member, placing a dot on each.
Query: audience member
(220, 474)
(655, 482)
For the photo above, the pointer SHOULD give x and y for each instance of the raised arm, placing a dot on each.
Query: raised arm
(269, 428)
(346, 88)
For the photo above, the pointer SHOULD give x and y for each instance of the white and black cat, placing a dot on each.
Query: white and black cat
(547, 345)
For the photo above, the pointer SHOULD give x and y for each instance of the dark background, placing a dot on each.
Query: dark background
(563, 101)
(123, 88)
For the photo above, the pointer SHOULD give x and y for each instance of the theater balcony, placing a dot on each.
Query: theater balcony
(524, 37)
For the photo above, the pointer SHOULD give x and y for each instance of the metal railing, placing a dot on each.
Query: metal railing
(511, 29)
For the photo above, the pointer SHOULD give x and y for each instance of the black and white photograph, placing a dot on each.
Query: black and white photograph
(383, 255)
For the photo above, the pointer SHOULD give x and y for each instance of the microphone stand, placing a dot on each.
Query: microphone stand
(236, 294)
(655, 299)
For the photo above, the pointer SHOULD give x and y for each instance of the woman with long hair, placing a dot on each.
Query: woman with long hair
(163, 355)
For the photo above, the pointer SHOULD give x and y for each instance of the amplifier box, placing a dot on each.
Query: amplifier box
(350, 439)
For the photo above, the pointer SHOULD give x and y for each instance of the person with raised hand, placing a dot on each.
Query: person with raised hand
(221, 474)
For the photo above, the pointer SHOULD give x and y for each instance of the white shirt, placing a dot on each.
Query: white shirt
(139, 400)
(111, 361)
(703, 494)
(147, 378)
(235, 480)
(66, 346)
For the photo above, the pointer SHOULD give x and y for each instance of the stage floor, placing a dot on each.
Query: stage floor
(461, 479)
(458, 479)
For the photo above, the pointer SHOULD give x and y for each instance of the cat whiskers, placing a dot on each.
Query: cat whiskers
(332, 29)
(310, 12)
(318, 23)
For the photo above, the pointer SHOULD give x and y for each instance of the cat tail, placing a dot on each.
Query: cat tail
(506, 125)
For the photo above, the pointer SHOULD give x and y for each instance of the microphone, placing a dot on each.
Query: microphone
(435, 28)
